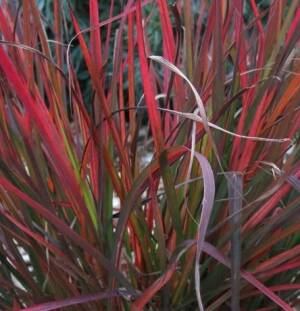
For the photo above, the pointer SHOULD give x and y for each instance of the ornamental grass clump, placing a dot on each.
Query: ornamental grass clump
(150, 160)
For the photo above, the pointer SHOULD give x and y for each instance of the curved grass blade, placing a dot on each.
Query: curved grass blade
(207, 205)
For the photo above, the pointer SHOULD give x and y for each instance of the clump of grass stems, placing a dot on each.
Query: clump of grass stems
(175, 184)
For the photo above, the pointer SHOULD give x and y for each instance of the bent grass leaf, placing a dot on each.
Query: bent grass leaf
(207, 205)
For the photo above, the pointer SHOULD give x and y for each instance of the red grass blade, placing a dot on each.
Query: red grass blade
(148, 83)
(40, 115)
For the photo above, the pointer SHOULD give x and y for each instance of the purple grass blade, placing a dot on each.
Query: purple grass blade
(207, 205)
(235, 194)
(54, 305)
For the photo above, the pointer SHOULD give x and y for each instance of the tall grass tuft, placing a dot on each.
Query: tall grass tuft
(170, 178)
